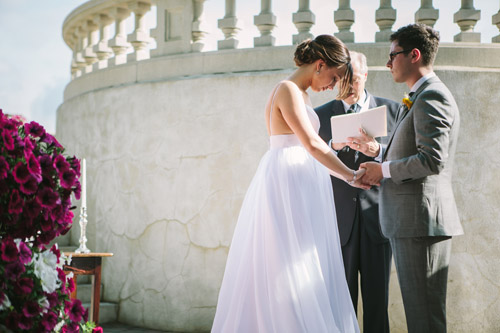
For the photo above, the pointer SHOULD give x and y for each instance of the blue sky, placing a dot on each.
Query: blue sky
(35, 61)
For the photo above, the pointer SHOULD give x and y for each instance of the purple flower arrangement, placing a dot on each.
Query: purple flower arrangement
(36, 184)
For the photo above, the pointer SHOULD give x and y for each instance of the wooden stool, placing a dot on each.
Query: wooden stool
(88, 264)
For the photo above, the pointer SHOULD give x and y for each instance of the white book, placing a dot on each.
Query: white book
(373, 121)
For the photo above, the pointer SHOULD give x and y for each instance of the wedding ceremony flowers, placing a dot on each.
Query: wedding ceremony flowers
(407, 101)
(36, 185)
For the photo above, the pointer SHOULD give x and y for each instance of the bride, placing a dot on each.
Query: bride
(284, 272)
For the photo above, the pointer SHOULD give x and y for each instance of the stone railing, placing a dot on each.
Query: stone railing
(179, 28)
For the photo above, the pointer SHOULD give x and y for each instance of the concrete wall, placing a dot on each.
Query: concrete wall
(172, 144)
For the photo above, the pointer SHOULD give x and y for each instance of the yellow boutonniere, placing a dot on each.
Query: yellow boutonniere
(407, 101)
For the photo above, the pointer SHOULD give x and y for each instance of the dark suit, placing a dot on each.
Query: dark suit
(364, 248)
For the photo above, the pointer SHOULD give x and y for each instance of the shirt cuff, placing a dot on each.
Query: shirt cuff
(380, 154)
(386, 171)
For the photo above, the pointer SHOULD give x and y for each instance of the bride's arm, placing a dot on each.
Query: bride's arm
(291, 104)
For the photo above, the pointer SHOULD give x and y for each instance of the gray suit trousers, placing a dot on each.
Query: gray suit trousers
(422, 267)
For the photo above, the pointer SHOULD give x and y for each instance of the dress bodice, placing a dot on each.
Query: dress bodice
(289, 140)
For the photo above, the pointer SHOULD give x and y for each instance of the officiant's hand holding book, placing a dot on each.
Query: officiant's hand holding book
(364, 144)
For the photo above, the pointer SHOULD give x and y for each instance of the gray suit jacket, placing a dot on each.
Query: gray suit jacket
(418, 199)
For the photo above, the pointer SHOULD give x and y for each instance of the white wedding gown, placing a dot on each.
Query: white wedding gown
(284, 272)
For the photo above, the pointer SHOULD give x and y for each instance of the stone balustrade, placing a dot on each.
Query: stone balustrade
(180, 28)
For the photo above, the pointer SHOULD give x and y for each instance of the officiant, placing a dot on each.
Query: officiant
(366, 252)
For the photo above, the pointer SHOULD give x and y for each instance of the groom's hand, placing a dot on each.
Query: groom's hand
(360, 173)
(373, 174)
(364, 144)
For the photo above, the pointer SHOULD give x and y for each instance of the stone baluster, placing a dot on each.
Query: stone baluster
(73, 44)
(385, 16)
(229, 26)
(495, 20)
(101, 49)
(265, 22)
(303, 19)
(139, 38)
(427, 14)
(197, 30)
(119, 43)
(466, 18)
(93, 37)
(344, 19)
(81, 44)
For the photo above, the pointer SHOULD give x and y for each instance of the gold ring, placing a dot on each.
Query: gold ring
(359, 146)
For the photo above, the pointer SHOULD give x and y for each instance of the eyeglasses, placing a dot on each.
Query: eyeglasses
(392, 55)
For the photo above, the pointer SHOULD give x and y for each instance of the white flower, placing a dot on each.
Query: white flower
(5, 303)
(44, 303)
(45, 270)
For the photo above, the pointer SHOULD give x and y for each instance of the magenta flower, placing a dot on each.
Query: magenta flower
(34, 168)
(52, 298)
(34, 129)
(30, 187)
(29, 145)
(47, 225)
(97, 329)
(46, 165)
(71, 285)
(8, 140)
(68, 178)
(31, 309)
(61, 164)
(21, 173)
(15, 203)
(14, 269)
(77, 190)
(4, 168)
(24, 253)
(49, 139)
(9, 250)
(25, 323)
(75, 164)
(74, 310)
(49, 321)
(47, 198)
(23, 286)
(32, 209)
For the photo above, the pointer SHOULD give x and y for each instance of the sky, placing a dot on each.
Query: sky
(35, 61)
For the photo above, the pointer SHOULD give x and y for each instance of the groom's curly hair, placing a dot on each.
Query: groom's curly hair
(333, 52)
(418, 36)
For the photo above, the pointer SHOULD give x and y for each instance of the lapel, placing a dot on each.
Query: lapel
(403, 109)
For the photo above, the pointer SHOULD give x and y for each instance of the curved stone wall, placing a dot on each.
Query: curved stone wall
(172, 144)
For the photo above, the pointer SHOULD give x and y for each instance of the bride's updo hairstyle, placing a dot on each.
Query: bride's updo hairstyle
(333, 52)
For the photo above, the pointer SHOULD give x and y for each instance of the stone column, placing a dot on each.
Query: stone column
(102, 50)
(198, 31)
(229, 26)
(466, 18)
(427, 14)
(81, 44)
(303, 19)
(495, 20)
(73, 44)
(139, 38)
(265, 22)
(385, 16)
(119, 43)
(93, 37)
(344, 19)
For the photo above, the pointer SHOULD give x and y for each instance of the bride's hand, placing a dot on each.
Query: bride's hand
(358, 181)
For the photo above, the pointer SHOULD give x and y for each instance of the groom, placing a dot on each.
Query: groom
(417, 207)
